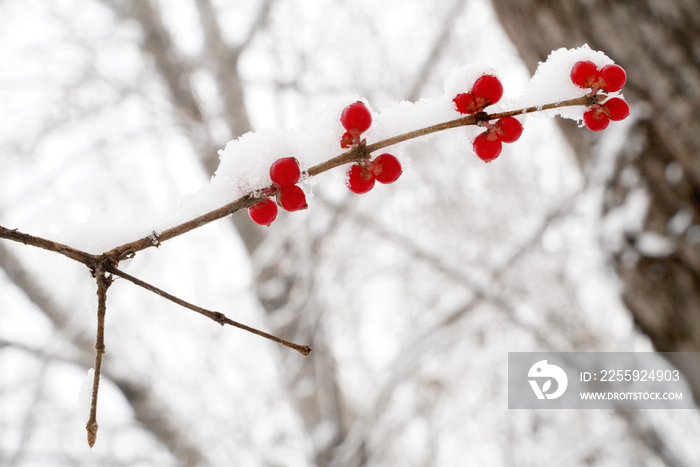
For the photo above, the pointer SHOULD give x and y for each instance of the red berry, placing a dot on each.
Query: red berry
(617, 108)
(347, 140)
(465, 103)
(585, 74)
(487, 90)
(508, 129)
(360, 180)
(285, 171)
(356, 118)
(292, 198)
(596, 119)
(386, 168)
(263, 212)
(487, 146)
(614, 78)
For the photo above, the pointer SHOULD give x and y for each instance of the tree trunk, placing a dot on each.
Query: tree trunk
(658, 44)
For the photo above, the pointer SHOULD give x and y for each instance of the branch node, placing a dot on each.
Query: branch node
(155, 238)
(219, 318)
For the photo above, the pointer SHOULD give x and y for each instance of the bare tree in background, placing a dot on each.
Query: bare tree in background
(657, 43)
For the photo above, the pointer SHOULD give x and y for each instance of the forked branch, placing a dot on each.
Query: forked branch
(104, 266)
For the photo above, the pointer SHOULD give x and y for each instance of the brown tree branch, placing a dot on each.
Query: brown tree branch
(107, 262)
(100, 265)
(87, 259)
(128, 250)
(356, 153)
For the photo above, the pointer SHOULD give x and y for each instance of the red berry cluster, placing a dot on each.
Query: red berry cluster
(385, 168)
(356, 119)
(586, 74)
(285, 174)
(487, 90)
(610, 78)
(597, 117)
(488, 144)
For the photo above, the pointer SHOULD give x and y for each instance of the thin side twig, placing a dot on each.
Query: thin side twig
(80, 256)
(105, 263)
(217, 316)
(103, 283)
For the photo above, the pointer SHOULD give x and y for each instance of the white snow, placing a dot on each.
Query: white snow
(245, 161)
(552, 82)
(85, 395)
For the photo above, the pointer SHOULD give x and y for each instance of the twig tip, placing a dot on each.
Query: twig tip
(91, 433)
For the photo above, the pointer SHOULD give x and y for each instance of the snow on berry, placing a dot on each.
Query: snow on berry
(485, 89)
(463, 78)
(553, 81)
(263, 212)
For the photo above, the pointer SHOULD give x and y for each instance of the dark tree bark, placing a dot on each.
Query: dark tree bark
(658, 44)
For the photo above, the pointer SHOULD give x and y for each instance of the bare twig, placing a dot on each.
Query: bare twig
(219, 317)
(103, 283)
(130, 249)
(80, 256)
